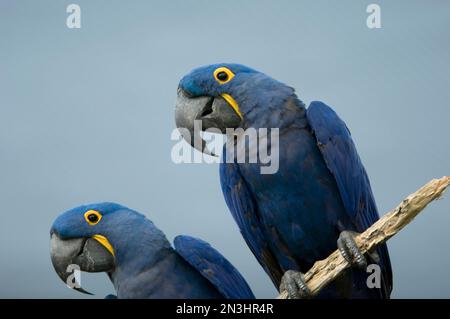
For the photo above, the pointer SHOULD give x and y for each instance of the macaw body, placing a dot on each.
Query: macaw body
(176, 275)
(139, 259)
(294, 217)
(168, 277)
(299, 212)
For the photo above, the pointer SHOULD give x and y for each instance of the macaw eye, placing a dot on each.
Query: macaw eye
(223, 75)
(92, 217)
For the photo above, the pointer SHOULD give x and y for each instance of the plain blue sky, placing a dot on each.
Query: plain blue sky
(86, 116)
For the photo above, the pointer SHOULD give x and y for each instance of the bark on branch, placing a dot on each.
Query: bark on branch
(325, 271)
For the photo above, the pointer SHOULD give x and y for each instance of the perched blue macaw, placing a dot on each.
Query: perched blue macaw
(137, 257)
(317, 200)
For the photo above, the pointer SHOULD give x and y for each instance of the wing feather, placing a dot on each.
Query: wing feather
(340, 155)
(214, 267)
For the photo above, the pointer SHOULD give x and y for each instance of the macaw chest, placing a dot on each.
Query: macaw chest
(300, 203)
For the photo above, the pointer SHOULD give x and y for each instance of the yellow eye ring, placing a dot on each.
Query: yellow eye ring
(223, 75)
(92, 217)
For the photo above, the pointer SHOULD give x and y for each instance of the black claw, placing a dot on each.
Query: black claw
(343, 249)
(294, 284)
(349, 250)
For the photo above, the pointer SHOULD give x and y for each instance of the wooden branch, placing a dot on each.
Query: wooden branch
(325, 271)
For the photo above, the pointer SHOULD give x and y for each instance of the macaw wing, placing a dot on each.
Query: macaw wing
(244, 210)
(214, 267)
(340, 155)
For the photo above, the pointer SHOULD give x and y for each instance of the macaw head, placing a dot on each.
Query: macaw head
(99, 238)
(221, 96)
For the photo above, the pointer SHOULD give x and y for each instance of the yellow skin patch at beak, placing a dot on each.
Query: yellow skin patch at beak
(233, 104)
(105, 243)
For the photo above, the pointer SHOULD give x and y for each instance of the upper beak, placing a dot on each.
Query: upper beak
(85, 254)
(211, 112)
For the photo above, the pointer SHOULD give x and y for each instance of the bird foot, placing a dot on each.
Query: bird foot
(293, 283)
(349, 250)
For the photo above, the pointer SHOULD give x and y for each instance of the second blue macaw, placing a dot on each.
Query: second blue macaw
(319, 198)
(139, 260)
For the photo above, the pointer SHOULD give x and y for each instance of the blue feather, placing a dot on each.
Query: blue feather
(214, 267)
(342, 159)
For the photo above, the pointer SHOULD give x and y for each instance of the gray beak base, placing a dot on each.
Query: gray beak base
(84, 254)
(211, 112)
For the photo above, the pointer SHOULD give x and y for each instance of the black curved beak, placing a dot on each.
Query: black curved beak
(84, 254)
(210, 112)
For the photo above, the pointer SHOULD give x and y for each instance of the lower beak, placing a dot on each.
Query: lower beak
(84, 254)
(210, 112)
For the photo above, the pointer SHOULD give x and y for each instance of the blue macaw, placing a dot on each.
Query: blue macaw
(319, 198)
(137, 257)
